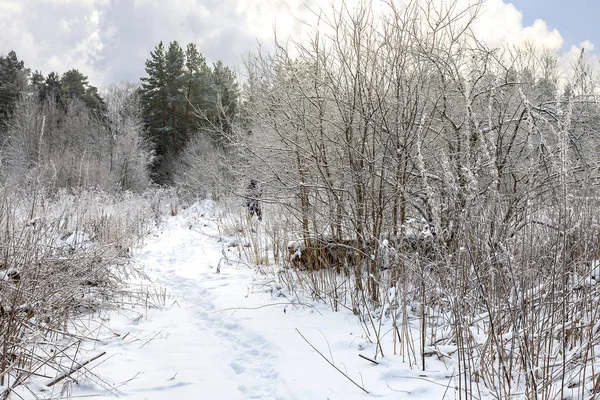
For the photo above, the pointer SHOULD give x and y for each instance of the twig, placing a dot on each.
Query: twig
(423, 378)
(151, 339)
(330, 363)
(74, 369)
(4, 395)
(31, 373)
(234, 309)
(329, 347)
(129, 380)
(368, 359)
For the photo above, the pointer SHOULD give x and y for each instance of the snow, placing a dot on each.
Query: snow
(73, 241)
(296, 247)
(595, 272)
(215, 327)
(417, 229)
(8, 274)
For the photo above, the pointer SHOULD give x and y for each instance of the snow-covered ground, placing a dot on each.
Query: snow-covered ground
(225, 330)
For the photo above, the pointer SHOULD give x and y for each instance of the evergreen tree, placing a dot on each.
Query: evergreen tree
(52, 87)
(13, 79)
(93, 99)
(154, 91)
(37, 79)
(154, 97)
(75, 85)
(174, 79)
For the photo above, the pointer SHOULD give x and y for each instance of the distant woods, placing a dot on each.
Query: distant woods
(59, 131)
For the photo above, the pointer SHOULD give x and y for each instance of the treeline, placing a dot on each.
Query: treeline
(59, 131)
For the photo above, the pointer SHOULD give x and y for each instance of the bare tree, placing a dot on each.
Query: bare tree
(56, 147)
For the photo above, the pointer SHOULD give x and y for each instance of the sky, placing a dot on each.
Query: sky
(576, 20)
(109, 40)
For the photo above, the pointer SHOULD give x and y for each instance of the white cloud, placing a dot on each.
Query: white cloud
(572, 56)
(49, 35)
(10, 8)
(500, 24)
(109, 40)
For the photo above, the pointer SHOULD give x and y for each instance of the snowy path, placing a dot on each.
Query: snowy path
(249, 355)
(228, 336)
(240, 362)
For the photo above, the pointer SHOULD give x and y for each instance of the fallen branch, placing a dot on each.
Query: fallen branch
(74, 369)
(330, 363)
(368, 359)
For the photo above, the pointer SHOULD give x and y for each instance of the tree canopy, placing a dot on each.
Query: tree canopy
(13, 80)
(182, 97)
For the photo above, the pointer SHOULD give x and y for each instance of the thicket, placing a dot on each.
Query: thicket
(424, 176)
(64, 261)
(58, 129)
(57, 132)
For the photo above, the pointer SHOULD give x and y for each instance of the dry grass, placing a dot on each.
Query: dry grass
(63, 258)
(518, 319)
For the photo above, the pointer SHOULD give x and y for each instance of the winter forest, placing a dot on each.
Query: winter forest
(438, 192)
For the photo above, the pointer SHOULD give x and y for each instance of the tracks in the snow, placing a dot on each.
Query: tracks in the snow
(249, 355)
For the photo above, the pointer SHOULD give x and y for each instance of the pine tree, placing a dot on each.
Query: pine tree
(75, 85)
(154, 90)
(154, 97)
(52, 88)
(13, 79)
(94, 101)
(37, 79)
(174, 79)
